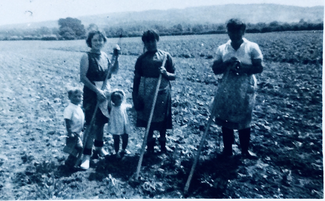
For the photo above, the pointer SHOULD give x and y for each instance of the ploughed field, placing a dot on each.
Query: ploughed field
(286, 134)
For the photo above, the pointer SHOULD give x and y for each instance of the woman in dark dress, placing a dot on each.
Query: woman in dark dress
(94, 66)
(148, 67)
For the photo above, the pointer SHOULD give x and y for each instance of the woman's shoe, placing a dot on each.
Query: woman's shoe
(118, 155)
(85, 162)
(249, 155)
(125, 152)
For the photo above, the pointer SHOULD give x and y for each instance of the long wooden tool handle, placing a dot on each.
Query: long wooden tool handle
(88, 129)
(187, 185)
(144, 143)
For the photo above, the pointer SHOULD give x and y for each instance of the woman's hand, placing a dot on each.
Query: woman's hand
(116, 50)
(163, 71)
(73, 134)
(219, 66)
(100, 95)
(234, 64)
(167, 75)
(231, 62)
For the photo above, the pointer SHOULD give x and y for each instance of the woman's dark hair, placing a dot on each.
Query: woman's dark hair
(235, 25)
(150, 35)
(91, 35)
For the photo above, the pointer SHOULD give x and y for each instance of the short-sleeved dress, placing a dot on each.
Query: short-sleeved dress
(235, 97)
(119, 121)
(147, 71)
(97, 71)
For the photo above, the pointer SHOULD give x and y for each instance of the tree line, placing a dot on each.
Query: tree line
(72, 29)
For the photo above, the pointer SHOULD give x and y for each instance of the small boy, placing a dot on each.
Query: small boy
(74, 120)
(119, 123)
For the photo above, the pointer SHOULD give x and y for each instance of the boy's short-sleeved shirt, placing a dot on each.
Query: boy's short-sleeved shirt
(76, 115)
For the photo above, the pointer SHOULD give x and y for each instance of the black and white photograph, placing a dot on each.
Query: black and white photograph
(161, 99)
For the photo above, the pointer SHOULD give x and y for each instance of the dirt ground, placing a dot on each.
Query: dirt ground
(286, 137)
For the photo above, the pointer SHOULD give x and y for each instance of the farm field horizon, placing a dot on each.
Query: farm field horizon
(286, 136)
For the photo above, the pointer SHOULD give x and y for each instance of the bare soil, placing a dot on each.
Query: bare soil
(286, 137)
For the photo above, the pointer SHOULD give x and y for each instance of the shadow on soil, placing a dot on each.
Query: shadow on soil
(211, 176)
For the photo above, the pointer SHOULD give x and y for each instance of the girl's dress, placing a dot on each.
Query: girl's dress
(145, 81)
(235, 97)
(119, 122)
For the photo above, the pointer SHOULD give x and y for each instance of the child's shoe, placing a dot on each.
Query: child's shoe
(100, 151)
(85, 162)
(249, 155)
(71, 160)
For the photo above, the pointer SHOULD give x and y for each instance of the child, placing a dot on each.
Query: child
(74, 120)
(119, 123)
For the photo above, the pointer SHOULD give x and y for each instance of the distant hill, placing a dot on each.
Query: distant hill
(250, 13)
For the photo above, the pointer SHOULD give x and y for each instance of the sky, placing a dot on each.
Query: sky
(29, 11)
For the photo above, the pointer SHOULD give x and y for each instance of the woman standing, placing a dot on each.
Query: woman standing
(148, 67)
(238, 60)
(94, 67)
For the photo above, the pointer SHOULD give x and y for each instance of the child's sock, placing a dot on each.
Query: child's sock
(125, 139)
(116, 143)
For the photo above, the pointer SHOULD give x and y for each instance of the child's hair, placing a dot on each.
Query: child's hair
(72, 91)
(117, 95)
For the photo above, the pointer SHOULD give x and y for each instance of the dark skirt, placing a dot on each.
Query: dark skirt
(166, 123)
(162, 117)
(89, 104)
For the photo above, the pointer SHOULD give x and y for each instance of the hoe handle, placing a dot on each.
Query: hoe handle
(187, 185)
(88, 129)
(149, 122)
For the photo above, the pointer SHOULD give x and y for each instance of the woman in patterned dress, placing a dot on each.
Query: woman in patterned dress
(148, 67)
(238, 60)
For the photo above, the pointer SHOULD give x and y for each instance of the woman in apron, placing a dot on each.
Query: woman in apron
(238, 60)
(148, 67)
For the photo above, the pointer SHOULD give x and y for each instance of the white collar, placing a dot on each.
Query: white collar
(244, 42)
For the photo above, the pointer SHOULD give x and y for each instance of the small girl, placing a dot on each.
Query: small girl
(119, 123)
(74, 120)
